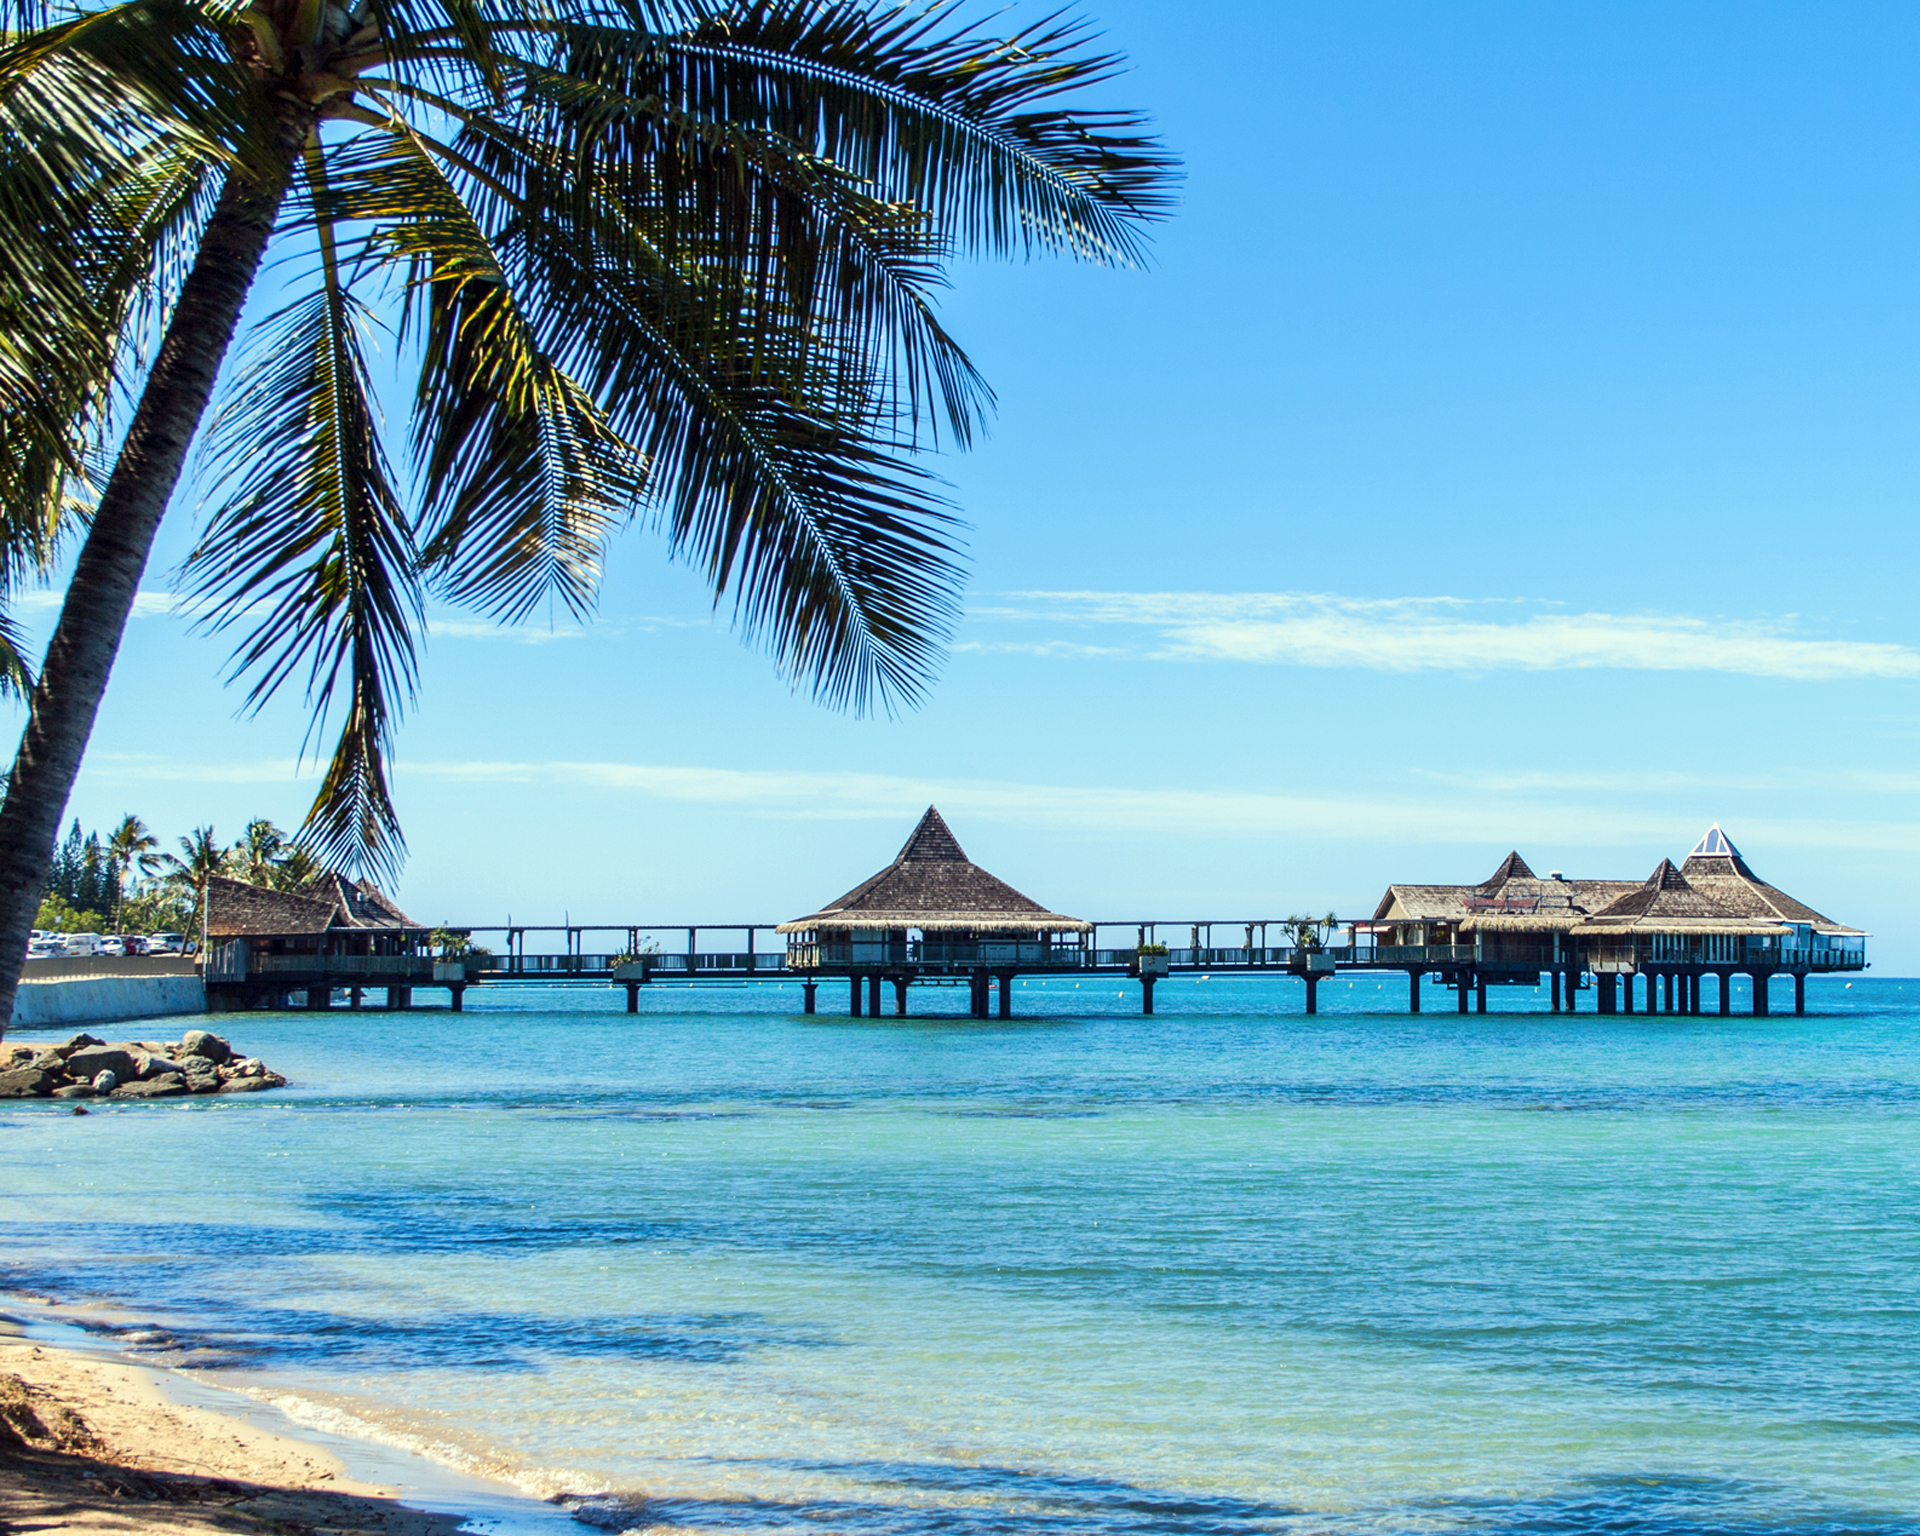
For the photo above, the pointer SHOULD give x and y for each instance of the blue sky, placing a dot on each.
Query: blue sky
(1513, 445)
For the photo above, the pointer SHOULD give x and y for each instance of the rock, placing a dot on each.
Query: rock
(77, 1043)
(249, 1084)
(17, 1056)
(160, 1066)
(74, 1091)
(106, 1082)
(28, 1083)
(204, 1044)
(90, 1061)
(248, 1066)
(172, 1086)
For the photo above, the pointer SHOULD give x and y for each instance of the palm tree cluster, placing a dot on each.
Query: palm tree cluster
(97, 884)
(661, 259)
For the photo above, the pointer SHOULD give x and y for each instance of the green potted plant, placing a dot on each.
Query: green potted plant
(1152, 959)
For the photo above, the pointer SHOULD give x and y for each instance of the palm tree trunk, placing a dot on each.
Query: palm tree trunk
(107, 575)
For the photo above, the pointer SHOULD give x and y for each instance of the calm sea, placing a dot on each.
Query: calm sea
(1229, 1269)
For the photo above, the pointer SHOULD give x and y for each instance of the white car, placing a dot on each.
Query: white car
(166, 943)
(110, 945)
(83, 943)
(44, 949)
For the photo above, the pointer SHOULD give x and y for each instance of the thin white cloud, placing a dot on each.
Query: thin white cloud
(146, 604)
(1414, 819)
(1306, 629)
(142, 767)
(1037, 648)
(464, 629)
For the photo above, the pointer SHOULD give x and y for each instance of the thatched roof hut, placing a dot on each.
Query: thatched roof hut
(324, 905)
(933, 886)
(1510, 900)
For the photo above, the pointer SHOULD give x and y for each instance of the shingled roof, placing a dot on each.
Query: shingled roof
(1510, 900)
(1715, 866)
(933, 885)
(1667, 902)
(237, 909)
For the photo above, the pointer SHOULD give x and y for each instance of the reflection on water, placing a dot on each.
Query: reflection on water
(1228, 1269)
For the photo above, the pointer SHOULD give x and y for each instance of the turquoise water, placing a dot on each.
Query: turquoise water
(1229, 1269)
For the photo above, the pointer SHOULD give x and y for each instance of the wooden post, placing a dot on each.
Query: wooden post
(320, 997)
(1627, 978)
(633, 997)
(1799, 992)
(900, 996)
(399, 998)
(353, 996)
(1606, 997)
(1554, 1006)
(458, 991)
(1726, 992)
(1006, 994)
(1761, 1002)
(1146, 994)
(1313, 993)
(1480, 994)
(854, 1006)
(873, 995)
(1463, 984)
(1413, 991)
(810, 988)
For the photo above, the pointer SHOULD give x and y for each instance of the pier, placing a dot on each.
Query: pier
(1669, 944)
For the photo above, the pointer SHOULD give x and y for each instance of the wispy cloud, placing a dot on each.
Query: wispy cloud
(146, 604)
(466, 629)
(1486, 818)
(1305, 629)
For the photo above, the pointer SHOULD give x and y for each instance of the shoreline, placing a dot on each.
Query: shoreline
(94, 1440)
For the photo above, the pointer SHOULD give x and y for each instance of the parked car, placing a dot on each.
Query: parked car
(44, 949)
(166, 943)
(132, 944)
(83, 943)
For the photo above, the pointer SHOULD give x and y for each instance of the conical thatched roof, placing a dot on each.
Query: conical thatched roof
(1667, 902)
(932, 884)
(1715, 866)
(1513, 899)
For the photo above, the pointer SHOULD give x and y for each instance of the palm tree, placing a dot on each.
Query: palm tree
(200, 860)
(129, 843)
(258, 853)
(671, 256)
(294, 869)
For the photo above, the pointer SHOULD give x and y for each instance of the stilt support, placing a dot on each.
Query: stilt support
(354, 996)
(458, 992)
(1146, 994)
(1626, 990)
(1799, 992)
(1313, 994)
(399, 998)
(900, 996)
(811, 988)
(1479, 994)
(1761, 1002)
(853, 1004)
(1554, 1006)
(1463, 984)
(1006, 994)
(319, 997)
(633, 997)
(873, 995)
(1413, 991)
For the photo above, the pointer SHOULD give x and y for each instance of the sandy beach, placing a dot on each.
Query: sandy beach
(92, 1444)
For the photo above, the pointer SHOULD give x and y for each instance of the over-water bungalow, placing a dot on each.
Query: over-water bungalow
(932, 912)
(1507, 929)
(1711, 916)
(263, 944)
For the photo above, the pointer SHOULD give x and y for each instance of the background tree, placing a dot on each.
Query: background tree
(127, 845)
(671, 255)
(199, 861)
(256, 856)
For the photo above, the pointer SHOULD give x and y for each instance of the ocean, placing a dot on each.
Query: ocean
(1229, 1269)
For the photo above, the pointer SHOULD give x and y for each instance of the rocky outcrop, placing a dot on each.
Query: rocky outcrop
(85, 1067)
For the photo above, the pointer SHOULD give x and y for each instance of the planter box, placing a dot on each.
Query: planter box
(449, 970)
(1318, 964)
(632, 970)
(1154, 965)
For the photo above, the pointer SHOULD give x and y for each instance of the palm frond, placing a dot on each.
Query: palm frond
(310, 551)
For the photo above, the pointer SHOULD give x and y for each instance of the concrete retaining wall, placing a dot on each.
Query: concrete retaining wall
(106, 999)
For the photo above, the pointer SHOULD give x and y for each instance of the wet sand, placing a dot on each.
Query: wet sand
(88, 1444)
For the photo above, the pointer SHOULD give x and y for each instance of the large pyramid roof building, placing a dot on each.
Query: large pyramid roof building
(932, 885)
